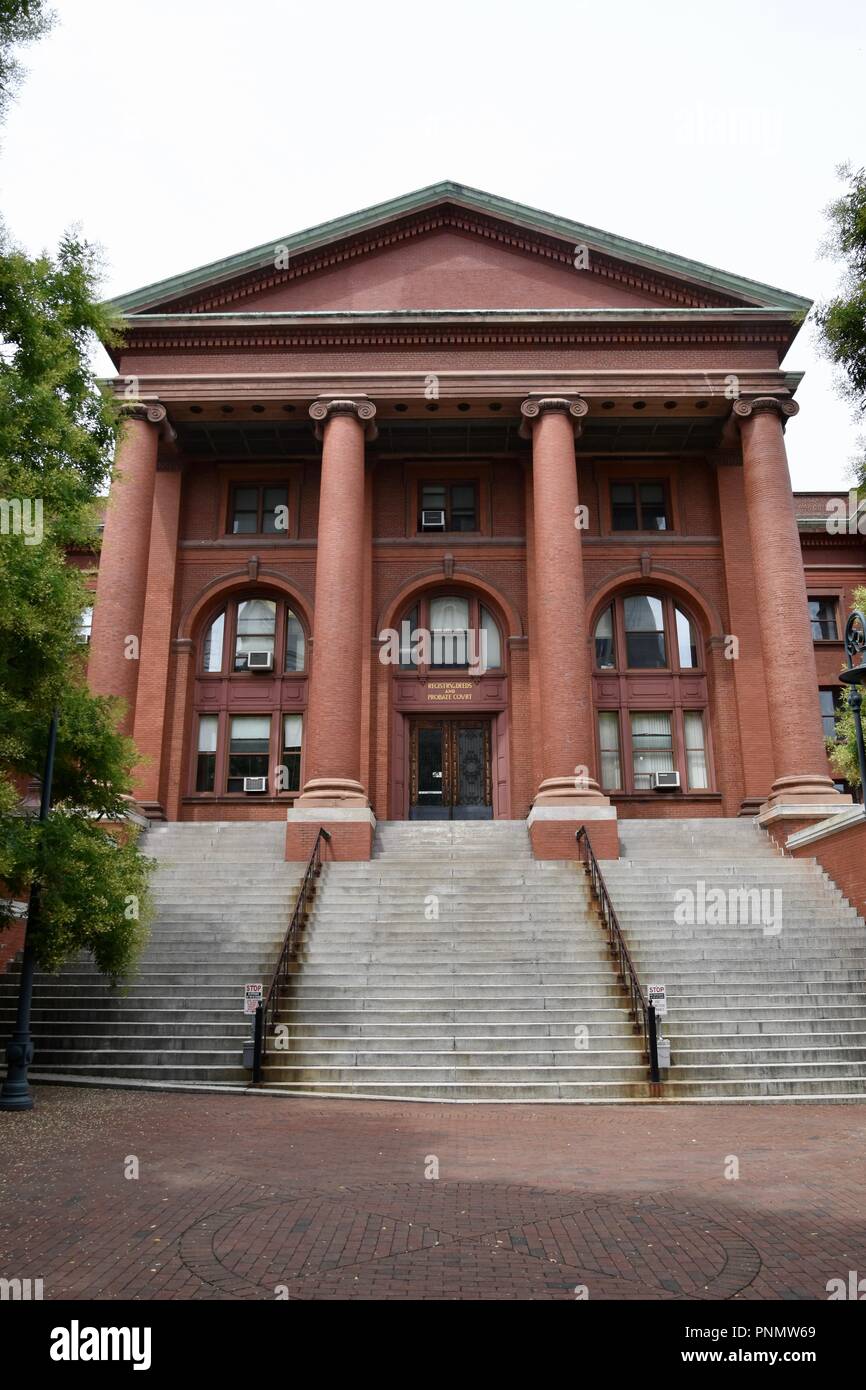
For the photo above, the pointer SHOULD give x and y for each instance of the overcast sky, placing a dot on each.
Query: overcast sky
(176, 132)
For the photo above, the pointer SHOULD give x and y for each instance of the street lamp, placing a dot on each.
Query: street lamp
(15, 1093)
(855, 676)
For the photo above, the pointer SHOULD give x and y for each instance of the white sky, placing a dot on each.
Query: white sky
(176, 132)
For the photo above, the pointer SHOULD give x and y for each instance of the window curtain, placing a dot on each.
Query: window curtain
(686, 642)
(449, 623)
(490, 628)
(608, 737)
(251, 733)
(207, 733)
(652, 749)
(292, 726)
(213, 645)
(257, 619)
(696, 757)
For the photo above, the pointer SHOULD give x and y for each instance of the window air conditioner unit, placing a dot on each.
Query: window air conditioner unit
(433, 519)
(665, 781)
(255, 784)
(260, 661)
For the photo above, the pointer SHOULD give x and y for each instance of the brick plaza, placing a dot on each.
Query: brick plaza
(254, 1198)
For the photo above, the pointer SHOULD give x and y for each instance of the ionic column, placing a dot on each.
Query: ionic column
(122, 580)
(799, 756)
(559, 646)
(333, 732)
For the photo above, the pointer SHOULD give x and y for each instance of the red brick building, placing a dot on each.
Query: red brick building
(454, 508)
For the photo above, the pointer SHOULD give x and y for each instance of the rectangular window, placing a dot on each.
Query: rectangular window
(696, 754)
(831, 703)
(292, 733)
(259, 510)
(644, 632)
(205, 770)
(652, 748)
(448, 507)
(639, 507)
(249, 749)
(257, 620)
(449, 631)
(85, 625)
(822, 612)
(608, 738)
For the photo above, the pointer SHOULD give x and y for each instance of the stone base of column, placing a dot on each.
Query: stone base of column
(351, 829)
(570, 791)
(332, 791)
(787, 818)
(553, 828)
(798, 804)
(154, 810)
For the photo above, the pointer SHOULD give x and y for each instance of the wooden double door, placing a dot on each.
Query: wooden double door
(449, 769)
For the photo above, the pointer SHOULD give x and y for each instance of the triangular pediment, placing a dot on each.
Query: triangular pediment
(451, 247)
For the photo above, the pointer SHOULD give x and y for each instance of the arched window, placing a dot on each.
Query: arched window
(256, 626)
(255, 644)
(653, 733)
(450, 631)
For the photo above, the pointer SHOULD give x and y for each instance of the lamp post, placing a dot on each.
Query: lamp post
(855, 676)
(15, 1093)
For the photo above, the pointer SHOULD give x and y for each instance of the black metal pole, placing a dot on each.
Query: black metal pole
(258, 1034)
(653, 1043)
(855, 701)
(15, 1093)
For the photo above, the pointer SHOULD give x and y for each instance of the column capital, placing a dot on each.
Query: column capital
(150, 411)
(364, 411)
(781, 407)
(535, 406)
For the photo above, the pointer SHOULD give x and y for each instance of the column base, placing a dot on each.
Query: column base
(801, 790)
(553, 828)
(570, 791)
(351, 829)
(332, 791)
(785, 814)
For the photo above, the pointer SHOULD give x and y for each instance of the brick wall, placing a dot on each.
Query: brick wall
(842, 855)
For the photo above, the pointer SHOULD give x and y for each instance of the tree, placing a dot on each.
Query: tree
(842, 749)
(21, 21)
(57, 438)
(842, 320)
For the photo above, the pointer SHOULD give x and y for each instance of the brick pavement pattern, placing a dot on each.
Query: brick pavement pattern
(253, 1197)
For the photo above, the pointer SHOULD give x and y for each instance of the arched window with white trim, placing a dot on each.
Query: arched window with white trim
(652, 707)
(250, 699)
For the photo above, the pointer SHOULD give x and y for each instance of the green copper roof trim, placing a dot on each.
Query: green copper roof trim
(261, 257)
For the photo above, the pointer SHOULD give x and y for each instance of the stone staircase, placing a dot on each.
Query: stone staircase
(769, 1002)
(507, 994)
(454, 966)
(223, 896)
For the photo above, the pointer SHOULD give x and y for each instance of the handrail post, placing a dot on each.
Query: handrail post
(258, 1035)
(653, 1043)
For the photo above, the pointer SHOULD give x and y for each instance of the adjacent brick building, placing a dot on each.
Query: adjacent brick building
(453, 508)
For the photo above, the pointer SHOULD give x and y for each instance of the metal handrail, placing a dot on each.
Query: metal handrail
(642, 1011)
(266, 1011)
